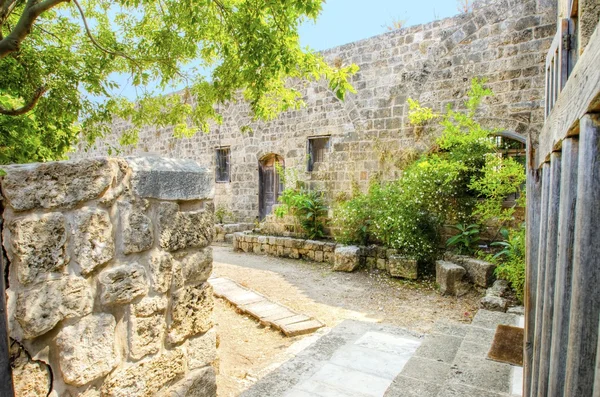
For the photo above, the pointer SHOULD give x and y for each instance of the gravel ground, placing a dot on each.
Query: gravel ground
(311, 288)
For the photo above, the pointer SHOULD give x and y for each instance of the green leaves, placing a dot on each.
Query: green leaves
(466, 240)
(221, 51)
(308, 207)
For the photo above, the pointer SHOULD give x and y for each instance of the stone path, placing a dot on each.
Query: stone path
(364, 359)
(264, 310)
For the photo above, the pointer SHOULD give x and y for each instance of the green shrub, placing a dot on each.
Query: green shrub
(511, 259)
(466, 240)
(352, 220)
(221, 213)
(309, 209)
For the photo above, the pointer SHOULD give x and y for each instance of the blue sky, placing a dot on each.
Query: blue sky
(345, 21)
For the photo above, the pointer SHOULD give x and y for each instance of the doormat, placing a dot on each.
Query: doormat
(507, 346)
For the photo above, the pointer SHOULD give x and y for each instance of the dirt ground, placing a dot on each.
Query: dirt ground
(247, 349)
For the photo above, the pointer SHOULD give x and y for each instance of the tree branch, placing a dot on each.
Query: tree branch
(26, 108)
(32, 11)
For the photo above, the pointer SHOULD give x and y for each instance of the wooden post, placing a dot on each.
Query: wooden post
(534, 188)
(585, 299)
(6, 385)
(564, 267)
(540, 278)
(550, 273)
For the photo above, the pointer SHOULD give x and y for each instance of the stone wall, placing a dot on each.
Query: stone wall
(504, 41)
(108, 263)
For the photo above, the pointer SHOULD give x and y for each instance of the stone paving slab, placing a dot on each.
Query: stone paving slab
(264, 310)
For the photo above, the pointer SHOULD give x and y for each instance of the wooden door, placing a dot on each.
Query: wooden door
(270, 186)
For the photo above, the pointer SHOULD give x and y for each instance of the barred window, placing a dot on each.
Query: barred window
(317, 147)
(222, 167)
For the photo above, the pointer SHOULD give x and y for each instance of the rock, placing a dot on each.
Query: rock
(37, 245)
(346, 259)
(92, 238)
(87, 349)
(202, 350)
(55, 184)
(519, 310)
(448, 275)
(402, 266)
(161, 271)
(145, 378)
(136, 227)
(149, 306)
(122, 284)
(30, 378)
(40, 307)
(191, 312)
(493, 303)
(499, 289)
(228, 238)
(198, 383)
(170, 179)
(191, 229)
(197, 267)
(480, 272)
(145, 335)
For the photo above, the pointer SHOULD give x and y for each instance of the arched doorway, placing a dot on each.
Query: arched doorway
(269, 182)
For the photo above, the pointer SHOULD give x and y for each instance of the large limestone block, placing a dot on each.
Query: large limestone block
(346, 259)
(92, 238)
(198, 383)
(145, 378)
(87, 349)
(56, 184)
(170, 179)
(37, 245)
(40, 307)
(161, 271)
(447, 276)
(402, 266)
(147, 325)
(30, 378)
(191, 312)
(479, 272)
(136, 227)
(122, 284)
(196, 268)
(202, 350)
(191, 229)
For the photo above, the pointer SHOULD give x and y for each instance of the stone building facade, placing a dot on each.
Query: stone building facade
(334, 145)
(107, 278)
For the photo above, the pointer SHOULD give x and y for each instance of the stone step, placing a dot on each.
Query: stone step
(263, 309)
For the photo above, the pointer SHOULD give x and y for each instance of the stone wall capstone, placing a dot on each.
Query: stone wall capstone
(503, 41)
(106, 258)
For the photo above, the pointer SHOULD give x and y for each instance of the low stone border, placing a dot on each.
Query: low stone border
(224, 231)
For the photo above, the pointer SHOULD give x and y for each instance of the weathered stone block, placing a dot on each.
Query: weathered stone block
(178, 230)
(122, 284)
(55, 184)
(447, 275)
(170, 179)
(145, 334)
(145, 378)
(191, 312)
(92, 238)
(136, 227)
(196, 268)
(402, 266)
(198, 383)
(37, 245)
(319, 256)
(161, 271)
(87, 349)
(40, 307)
(30, 378)
(381, 264)
(493, 303)
(347, 258)
(480, 272)
(202, 351)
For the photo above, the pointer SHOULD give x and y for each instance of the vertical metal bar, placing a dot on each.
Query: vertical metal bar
(564, 267)
(6, 385)
(541, 279)
(534, 189)
(550, 273)
(585, 300)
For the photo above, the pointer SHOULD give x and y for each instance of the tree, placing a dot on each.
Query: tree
(59, 59)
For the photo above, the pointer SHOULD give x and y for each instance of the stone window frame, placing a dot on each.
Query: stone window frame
(324, 143)
(223, 164)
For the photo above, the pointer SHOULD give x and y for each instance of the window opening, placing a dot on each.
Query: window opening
(222, 166)
(317, 148)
